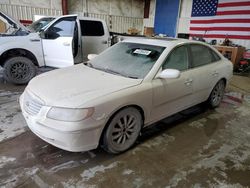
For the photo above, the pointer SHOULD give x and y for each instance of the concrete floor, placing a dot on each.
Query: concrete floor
(196, 148)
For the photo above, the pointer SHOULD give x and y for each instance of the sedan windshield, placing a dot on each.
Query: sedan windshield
(131, 60)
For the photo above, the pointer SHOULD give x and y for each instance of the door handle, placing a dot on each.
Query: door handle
(188, 81)
(66, 44)
(34, 40)
(104, 42)
(215, 73)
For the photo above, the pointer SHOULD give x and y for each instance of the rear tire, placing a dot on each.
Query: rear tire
(216, 95)
(122, 131)
(19, 70)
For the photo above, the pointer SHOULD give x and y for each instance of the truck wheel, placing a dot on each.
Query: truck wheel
(19, 70)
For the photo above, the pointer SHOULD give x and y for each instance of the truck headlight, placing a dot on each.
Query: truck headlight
(70, 114)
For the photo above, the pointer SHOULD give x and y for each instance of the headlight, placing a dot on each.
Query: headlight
(70, 114)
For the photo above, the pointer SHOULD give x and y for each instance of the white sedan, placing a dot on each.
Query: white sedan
(133, 84)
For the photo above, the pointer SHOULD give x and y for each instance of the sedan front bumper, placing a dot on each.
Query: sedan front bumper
(70, 136)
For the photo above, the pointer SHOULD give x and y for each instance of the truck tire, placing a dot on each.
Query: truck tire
(19, 70)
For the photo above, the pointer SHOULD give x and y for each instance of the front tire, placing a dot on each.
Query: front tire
(19, 70)
(216, 95)
(122, 131)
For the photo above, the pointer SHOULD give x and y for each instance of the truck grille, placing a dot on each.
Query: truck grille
(31, 104)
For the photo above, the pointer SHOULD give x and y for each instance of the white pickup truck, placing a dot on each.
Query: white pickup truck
(64, 41)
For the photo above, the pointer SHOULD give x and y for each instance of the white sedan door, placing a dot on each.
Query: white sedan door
(206, 68)
(173, 95)
(57, 42)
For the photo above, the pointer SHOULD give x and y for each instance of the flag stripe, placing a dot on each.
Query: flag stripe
(222, 36)
(232, 12)
(212, 21)
(233, 8)
(231, 1)
(234, 4)
(245, 33)
(220, 28)
(240, 16)
(222, 25)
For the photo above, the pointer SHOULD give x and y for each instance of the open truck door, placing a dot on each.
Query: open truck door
(58, 41)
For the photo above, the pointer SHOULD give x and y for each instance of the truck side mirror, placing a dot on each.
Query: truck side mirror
(42, 34)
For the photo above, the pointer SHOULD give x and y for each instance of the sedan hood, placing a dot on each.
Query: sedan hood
(73, 86)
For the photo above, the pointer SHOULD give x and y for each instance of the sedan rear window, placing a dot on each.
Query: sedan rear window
(128, 59)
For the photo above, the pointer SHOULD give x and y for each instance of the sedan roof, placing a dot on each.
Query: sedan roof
(165, 42)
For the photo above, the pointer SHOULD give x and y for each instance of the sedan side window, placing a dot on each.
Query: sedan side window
(178, 59)
(216, 57)
(201, 55)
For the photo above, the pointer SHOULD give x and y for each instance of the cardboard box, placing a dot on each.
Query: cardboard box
(133, 31)
(148, 31)
(2, 27)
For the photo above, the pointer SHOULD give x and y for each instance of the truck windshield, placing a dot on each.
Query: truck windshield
(39, 24)
(128, 59)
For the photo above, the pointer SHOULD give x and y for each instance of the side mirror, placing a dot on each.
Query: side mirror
(169, 73)
(91, 56)
(42, 34)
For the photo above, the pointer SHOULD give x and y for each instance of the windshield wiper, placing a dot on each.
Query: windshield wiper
(119, 73)
(112, 71)
(133, 77)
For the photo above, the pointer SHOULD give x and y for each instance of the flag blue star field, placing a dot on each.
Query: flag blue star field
(220, 19)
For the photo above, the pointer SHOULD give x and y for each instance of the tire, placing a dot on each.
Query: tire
(19, 70)
(216, 95)
(122, 131)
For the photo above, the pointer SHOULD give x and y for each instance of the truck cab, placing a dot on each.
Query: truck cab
(63, 42)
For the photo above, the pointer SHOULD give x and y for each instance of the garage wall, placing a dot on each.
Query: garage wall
(120, 15)
(185, 16)
(126, 8)
(49, 4)
(25, 9)
(149, 22)
(184, 20)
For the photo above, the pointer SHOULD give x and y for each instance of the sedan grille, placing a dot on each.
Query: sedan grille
(31, 104)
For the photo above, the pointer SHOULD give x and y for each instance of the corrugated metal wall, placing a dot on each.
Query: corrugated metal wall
(27, 13)
(119, 24)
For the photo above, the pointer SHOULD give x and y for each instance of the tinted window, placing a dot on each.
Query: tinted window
(178, 59)
(201, 55)
(62, 28)
(215, 56)
(91, 28)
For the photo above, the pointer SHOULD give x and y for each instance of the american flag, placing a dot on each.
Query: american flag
(220, 19)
